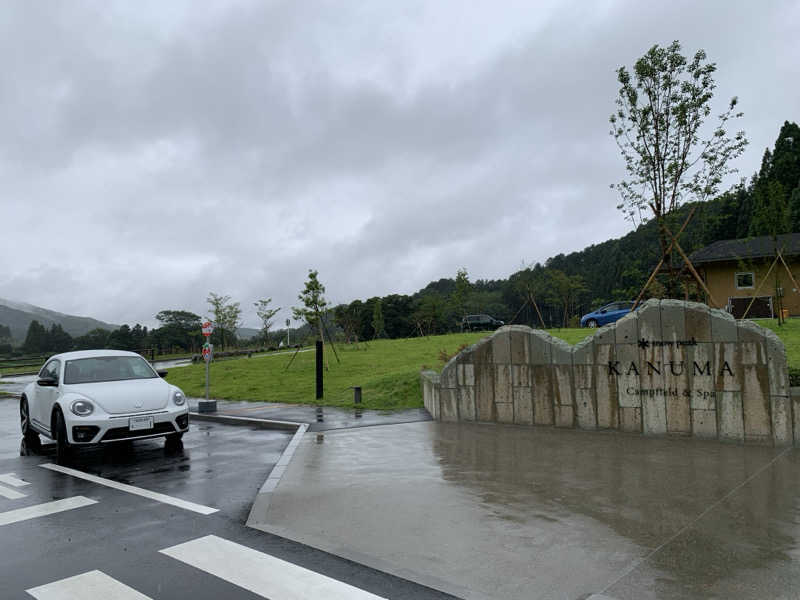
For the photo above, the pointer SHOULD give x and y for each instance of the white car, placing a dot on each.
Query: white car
(100, 396)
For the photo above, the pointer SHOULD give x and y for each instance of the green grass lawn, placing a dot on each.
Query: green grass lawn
(17, 369)
(789, 333)
(387, 371)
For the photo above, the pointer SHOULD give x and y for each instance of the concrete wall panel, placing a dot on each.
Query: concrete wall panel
(654, 415)
(543, 395)
(781, 410)
(756, 404)
(523, 406)
(630, 419)
(466, 403)
(586, 410)
(704, 424)
(673, 320)
(730, 425)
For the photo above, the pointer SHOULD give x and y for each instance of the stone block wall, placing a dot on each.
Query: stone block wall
(669, 368)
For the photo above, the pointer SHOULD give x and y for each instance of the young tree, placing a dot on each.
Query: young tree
(314, 302)
(461, 294)
(661, 109)
(378, 325)
(266, 314)
(227, 315)
(566, 290)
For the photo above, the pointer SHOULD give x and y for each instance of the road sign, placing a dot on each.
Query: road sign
(208, 352)
(208, 328)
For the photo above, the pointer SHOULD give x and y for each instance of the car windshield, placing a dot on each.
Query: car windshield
(107, 368)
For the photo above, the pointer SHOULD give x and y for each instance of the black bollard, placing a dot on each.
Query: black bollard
(319, 369)
(357, 395)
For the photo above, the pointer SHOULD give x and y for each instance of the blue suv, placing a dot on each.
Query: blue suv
(607, 314)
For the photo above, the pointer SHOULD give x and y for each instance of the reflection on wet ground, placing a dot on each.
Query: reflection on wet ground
(216, 465)
(512, 512)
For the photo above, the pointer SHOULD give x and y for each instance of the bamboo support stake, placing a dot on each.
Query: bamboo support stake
(691, 266)
(758, 289)
(661, 262)
(789, 271)
(538, 312)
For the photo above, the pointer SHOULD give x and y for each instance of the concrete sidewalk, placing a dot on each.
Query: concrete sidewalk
(492, 511)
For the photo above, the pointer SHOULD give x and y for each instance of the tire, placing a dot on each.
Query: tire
(30, 437)
(591, 324)
(174, 440)
(63, 449)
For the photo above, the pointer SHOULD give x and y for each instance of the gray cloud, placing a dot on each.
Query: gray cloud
(152, 152)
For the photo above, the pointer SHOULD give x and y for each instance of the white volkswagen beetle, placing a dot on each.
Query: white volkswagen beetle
(100, 396)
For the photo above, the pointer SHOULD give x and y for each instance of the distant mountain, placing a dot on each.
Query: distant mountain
(18, 316)
(245, 333)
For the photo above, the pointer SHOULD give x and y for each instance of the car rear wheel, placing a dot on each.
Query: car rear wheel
(591, 323)
(28, 434)
(63, 450)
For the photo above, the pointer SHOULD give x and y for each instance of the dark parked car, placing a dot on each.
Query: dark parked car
(607, 314)
(479, 323)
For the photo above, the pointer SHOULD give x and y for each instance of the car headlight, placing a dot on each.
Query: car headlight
(82, 408)
(178, 398)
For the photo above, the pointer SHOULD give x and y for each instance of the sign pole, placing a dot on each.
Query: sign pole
(207, 405)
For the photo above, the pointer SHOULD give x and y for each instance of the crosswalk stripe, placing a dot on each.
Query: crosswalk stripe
(132, 489)
(12, 480)
(42, 510)
(94, 585)
(10, 494)
(260, 573)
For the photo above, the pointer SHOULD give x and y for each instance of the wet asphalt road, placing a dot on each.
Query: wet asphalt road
(122, 534)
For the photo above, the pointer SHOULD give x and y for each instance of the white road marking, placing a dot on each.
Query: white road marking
(260, 573)
(10, 494)
(12, 480)
(131, 489)
(94, 585)
(42, 510)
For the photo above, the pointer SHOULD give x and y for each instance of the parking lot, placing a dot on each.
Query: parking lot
(137, 521)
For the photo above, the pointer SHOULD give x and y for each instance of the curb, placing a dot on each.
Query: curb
(249, 421)
(264, 496)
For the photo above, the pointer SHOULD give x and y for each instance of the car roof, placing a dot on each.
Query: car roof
(78, 354)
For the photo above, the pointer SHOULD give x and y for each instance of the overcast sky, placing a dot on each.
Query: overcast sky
(151, 152)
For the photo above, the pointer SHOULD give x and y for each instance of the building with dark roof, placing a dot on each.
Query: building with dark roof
(736, 271)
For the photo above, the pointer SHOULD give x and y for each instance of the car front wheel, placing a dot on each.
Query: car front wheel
(28, 434)
(174, 441)
(62, 443)
(591, 323)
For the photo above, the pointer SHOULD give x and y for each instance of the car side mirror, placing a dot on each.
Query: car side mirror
(162, 373)
(47, 382)
(604, 311)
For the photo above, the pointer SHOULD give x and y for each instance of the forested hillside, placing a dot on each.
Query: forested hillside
(566, 286)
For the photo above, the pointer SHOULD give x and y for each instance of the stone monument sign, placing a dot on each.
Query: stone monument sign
(669, 368)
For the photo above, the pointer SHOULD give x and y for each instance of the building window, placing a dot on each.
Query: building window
(744, 280)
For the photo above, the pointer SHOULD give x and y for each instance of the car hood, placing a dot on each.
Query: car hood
(129, 396)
